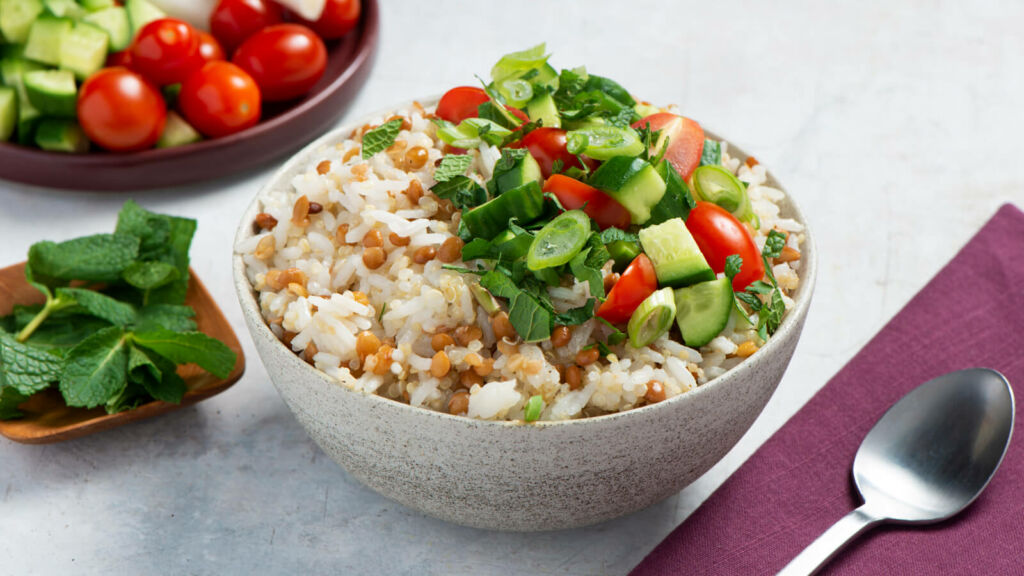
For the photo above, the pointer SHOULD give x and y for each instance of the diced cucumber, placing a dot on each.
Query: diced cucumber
(177, 132)
(703, 310)
(525, 204)
(543, 108)
(13, 71)
(676, 257)
(633, 182)
(64, 8)
(546, 76)
(8, 112)
(12, 50)
(113, 21)
(53, 92)
(522, 172)
(58, 135)
(16, 18)
(28, 119)
(96, 5)
(140, 13)
(84, 50)
(45, 37)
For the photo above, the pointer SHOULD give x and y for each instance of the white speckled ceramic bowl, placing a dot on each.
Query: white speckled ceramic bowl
(514, 476)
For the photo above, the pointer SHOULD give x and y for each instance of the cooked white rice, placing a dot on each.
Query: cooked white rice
(317, 293)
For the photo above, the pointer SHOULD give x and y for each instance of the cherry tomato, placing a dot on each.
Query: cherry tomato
(122, 58)
(686, 140)
(166, 51)
(572, 193)
(517, 113)
(209, 48)
(634, 286)
(232, 21)
(286, 60)
(547, 145)
(220, 99)
(460, 103)
(121, 111)
(719, 235)
(338, 18)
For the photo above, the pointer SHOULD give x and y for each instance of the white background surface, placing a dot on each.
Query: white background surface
(896, 126)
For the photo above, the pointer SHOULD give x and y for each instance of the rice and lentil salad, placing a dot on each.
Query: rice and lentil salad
(543, 248)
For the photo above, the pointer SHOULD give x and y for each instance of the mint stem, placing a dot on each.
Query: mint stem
(29, 328)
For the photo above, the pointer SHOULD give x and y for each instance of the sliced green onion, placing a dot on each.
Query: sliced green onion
(652, 318)
(576, 142)
(517, 92)
(470, 132)
(719, 186)
(518, 63)
(605, 142)
(559, 240)
(486, 300)
(534, 406)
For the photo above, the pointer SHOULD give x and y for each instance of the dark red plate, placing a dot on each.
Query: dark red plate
(282, 130)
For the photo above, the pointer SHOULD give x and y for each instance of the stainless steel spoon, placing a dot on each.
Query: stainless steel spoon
(925, 460)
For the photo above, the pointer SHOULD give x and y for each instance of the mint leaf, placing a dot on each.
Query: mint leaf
(99, 305)
(182, 231)
(381, 137)
(131, 395)
(776, 308)
(59, 333)
(25, 368)
(576, 316)
(530, 320)
(97, 258)
(149, 275)
(210, 354)
(478, 248)
(610, 235)
(750, 300)
(510, 158)
(774, 244)
(10, 398)
(94, 370)
(451, 166)
(733, 263)
(178, 318)
(157, 375)
(712, 153)
(463, 191)
(153, 230)
(589, 274)
(499, 285)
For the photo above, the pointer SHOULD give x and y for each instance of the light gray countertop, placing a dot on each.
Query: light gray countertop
(896, 126)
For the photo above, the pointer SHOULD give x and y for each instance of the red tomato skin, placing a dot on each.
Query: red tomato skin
(232, 21)
(517, 113)
(637, 282)
(338, 19)
(209, 48)
(573, 194)
(220, 99)
(460, 103)
(121, 111)
(166, 51)
(718, 235)
(285, 60)
(122, 58)
(686, 140)
(547, 145)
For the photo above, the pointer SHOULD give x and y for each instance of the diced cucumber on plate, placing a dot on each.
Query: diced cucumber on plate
(64, 8)
(141, 12)
(114, 21)
(45, 37)
(52, 92)
(96, 5)
(59, 135)
(177, 132)
(16, 18)
(84, 50)
(8, 112)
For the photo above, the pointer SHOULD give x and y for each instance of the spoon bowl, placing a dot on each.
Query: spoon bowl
(928, 457)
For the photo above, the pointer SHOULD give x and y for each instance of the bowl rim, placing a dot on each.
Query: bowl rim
(246, 295)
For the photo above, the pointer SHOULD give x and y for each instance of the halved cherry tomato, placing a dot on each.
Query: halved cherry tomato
(460, 103)
(121, 111)
(685, 140)
(285, 60)
(166, 51)
(232, 21)
(634, 286)
(573, 194)
(547, 145)
(220, 99)
(209, 48)
(338, 18)
(719, 235)
(517, 113)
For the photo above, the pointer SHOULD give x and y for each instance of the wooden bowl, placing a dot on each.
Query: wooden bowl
(47, 419)
(284, 128)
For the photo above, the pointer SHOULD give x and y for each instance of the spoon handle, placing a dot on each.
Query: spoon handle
(830, 542)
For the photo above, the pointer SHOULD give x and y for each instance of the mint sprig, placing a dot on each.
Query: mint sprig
(381, 138)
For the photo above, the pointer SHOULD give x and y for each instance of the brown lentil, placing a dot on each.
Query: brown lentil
(746, 349)
(485, 367)
(323, 167)
(383, 358)
(424, 254)
(588, 356)
(655, 392)
(414, 192)
(300, 211)
(440, 341)
(440, 365)
(406, 124)
(265, 248)
(298, 289)
(315, 207)
(374, 257)
(451, 250)
(503, 327)
(788, 254)
(310, 351)
(339, 234)
(280, 279)
(366, 344)
(397, 240)
(751, 162)
(610, 280)
(351, 152)
(445, 209)
(473, 359)
(459, 403)
(560, 336)
(266, 221)
(361, 297)
(573, 377)
(468, 378)
(373, 239)
(466, 334)
(416, 157)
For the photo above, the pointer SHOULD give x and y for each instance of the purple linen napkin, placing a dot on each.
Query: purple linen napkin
(796, 485)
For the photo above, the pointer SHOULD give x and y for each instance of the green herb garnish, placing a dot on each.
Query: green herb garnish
(451, 166)
(381, 137)
(534, 406)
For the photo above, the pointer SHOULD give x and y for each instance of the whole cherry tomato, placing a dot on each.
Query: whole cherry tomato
(166, 51)
(232, 21)
(547, 145)
(121, 111)
(285, 60)
(122, 58)
(220, 99)
(338, 18)
(460, 103)
(573, 194)
(685, 140)
(719, 235)
(209, 48)
(637, 282)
